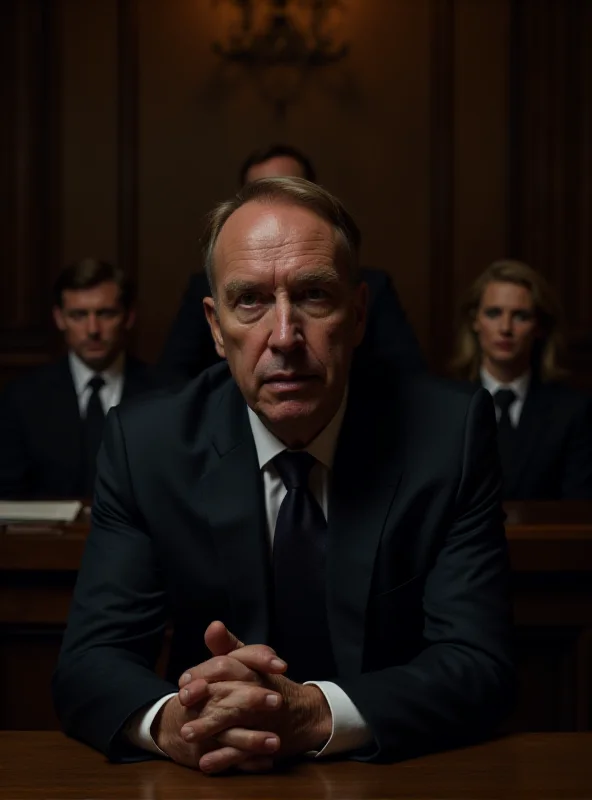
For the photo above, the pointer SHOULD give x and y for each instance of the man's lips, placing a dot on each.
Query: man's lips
(288, 380)
(505, 345)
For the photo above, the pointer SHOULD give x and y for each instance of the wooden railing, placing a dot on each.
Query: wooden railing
(551, 555)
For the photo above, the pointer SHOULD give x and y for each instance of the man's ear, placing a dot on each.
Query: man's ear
(58, 318)
(214, 323)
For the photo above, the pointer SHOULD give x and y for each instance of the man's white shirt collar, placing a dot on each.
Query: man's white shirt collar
(81, 373)
(322, 447)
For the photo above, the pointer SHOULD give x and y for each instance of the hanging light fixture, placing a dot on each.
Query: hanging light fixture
(281, 40)
(272, 32)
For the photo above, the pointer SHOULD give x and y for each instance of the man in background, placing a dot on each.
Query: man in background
(189, 348)
(51, 420)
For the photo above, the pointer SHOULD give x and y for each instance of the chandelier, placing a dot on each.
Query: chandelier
(296, 32)
(280, 40)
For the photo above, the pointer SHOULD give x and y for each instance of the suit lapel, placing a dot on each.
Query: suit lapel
(529, 434)
(66, 424)
(135, 378)
(367, 472)
(232, 494)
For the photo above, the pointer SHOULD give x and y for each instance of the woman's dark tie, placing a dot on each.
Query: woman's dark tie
(301, 632)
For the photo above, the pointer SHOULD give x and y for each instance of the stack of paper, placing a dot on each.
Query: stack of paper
(39, 511)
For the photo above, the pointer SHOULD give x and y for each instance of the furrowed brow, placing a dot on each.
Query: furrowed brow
(238, 286)
(319, 275)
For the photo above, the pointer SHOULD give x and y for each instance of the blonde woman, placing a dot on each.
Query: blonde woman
(509, 341)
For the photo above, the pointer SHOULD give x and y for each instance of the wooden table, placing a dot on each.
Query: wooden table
(551, 556)
(36, 765)
(550, 536)
(543, 537)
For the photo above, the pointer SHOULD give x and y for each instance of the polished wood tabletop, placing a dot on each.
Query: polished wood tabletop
(542, 766)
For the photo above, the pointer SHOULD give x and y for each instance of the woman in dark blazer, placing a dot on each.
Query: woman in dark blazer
(508, 340)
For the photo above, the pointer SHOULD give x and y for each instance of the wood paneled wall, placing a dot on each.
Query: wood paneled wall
(456, 131)
(28, 179)
(550, 208)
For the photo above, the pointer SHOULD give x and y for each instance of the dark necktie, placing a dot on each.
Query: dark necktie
(301, 632)
(93, 432)
(506, 434)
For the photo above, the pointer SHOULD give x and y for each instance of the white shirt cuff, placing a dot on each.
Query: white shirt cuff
(137, 729)
(349, 730)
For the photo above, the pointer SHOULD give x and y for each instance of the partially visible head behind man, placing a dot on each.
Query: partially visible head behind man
(276, 161)
(288, 309)
(93, 307)
(509, 316)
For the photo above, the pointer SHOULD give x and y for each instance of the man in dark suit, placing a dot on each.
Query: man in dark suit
(51, 420)
(189, 348)
(349, 518)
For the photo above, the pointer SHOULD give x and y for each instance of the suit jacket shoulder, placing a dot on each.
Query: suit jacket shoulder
(389, 336)
(41, 430)
(57, 374)
(40, 433)
(557, 392)
(207, 407)
(40, 378)
(409, 396)
(139, 377)
(553, 446)
(189, 348)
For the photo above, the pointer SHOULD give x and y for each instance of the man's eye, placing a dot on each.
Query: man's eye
(248, 299)
(77, 315)
(316, 294)
(492, 312)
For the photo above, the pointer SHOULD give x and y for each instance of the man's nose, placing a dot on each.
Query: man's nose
(286, 332)
(92, 325)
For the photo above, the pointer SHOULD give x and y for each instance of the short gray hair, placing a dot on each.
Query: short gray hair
(294, 191)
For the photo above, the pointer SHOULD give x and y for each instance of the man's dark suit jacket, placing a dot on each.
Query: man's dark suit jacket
(190, 349)
(553, 446)
(41, 432)
(417, 598)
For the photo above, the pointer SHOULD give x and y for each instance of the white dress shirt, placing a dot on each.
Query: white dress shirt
(518, 386)
(109, 394)
(349, 729)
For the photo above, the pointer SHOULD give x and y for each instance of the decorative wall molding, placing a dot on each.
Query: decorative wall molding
(28, 143)
(441, 183)
(550, 203)
(127, 112)
(546, 149)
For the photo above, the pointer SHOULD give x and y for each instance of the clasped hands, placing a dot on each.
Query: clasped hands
(238, 710)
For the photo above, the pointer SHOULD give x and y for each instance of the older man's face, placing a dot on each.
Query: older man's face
(287, 316)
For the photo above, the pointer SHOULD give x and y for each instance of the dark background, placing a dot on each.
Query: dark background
(456, 131)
